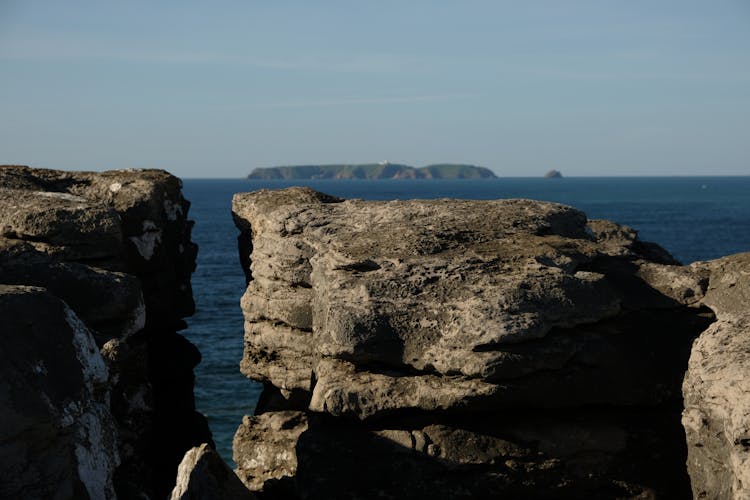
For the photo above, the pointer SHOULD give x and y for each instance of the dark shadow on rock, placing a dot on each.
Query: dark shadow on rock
(589, 453)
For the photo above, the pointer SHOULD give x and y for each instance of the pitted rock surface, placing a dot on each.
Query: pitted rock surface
(470, 292)
(505, 346)
(717, 385)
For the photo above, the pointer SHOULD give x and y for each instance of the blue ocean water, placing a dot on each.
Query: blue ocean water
(695, 218)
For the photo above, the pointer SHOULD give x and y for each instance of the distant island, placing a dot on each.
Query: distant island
(372, 171)
(553, 174)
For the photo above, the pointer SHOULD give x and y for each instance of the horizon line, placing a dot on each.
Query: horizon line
(614, 176)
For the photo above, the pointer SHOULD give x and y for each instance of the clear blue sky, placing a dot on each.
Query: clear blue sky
(214, 89)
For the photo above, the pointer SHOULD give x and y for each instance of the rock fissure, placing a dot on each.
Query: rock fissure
(457, 348)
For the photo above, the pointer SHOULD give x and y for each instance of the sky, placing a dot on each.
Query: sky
(215, 89)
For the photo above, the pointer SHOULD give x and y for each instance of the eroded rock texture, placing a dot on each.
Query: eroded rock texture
(115, 247)
(717, 385)
(461, 349)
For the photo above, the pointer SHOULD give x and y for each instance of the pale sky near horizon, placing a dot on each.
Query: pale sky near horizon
(215, 89)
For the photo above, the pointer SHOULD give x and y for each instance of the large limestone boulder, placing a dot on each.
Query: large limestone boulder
(66, 212)
(506, 346)
(459, 303)
(57, 438)
(115, 246)
(717, 386)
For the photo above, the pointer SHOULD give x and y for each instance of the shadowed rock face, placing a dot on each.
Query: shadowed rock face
(203, 475)
(115, 247)
(506, 346)
(57, 438)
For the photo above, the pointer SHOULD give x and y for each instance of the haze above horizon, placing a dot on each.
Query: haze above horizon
(590, 88)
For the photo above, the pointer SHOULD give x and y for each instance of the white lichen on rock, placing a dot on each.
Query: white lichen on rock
(95, 443)
(148, 241)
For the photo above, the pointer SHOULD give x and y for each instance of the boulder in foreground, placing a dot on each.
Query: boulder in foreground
(462, 348)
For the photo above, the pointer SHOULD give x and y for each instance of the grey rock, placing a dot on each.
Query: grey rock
(203, 475)
(462, 347)
(58, 438)
(265, 451)
(126, 220)
(717, 386)
(531, 455)
(278, 354)
(61, 224)
(492, 302)
(109, 302)
(115, 246)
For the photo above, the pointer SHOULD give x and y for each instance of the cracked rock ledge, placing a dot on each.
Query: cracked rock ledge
(466, 349)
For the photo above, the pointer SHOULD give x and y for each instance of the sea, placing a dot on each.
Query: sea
(694, 218)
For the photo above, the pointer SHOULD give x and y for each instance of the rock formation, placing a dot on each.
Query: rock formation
(717, 385)
(408, 349)
(57, 438)
(460, 349)
(106, 256)
(203, 475)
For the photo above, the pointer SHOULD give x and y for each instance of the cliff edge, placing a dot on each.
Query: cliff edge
(98, 383)
(459, 349)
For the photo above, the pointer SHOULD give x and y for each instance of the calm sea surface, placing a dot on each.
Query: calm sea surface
(695, 218)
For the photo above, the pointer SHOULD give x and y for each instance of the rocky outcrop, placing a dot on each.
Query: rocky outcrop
(717, 385)
(57, 439)
(115, 247)
(460, 348)
(203, 475)
(264, 451)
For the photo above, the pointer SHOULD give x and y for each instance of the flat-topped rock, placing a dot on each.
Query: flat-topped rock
(502, 294)
(115, 247)
(123, 220)
(61, 224)
(461, 347)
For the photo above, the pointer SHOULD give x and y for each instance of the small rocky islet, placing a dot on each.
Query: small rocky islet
(414, 348)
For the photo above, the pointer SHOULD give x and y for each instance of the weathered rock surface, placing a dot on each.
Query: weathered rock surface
(61, 211)
(57, 438)
(507, 346)
(717, 385)
(264, 450)
(110, 302)
(203, 475)
(115, 246)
